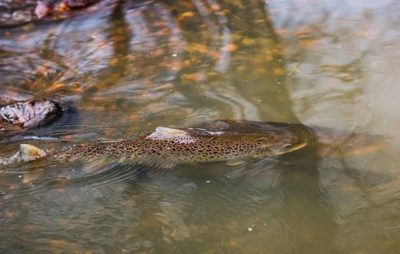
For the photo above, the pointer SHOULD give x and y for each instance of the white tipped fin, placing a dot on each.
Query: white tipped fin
(170, 131)
(164, 133)
(30, 153)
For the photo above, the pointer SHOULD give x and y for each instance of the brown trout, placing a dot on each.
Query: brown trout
(225, 140)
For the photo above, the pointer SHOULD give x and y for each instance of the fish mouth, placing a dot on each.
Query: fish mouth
(291, 148)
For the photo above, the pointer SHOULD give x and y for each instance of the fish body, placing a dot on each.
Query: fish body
(216, 141)
(223, 140)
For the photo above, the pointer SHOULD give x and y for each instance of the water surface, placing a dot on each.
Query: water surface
(142, 64)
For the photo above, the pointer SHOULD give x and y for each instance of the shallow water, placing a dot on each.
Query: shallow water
(132, 67)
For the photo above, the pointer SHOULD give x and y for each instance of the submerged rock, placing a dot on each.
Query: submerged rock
(79, 3)
(14, 12)
(17, 12)
(28, 114)
(44, 7)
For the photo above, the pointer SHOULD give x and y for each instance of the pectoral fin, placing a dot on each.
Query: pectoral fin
(159, 163)
(235, 162)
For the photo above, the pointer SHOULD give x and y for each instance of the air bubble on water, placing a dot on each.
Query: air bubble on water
(250, 229)
(208, 181)
(174, 55)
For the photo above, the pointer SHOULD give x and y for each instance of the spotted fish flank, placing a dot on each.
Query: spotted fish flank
(216, 141)
(209, 142)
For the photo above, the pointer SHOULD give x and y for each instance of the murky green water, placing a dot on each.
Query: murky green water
(133, 67)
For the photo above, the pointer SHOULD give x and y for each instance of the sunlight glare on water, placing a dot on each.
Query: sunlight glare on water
(141, 64)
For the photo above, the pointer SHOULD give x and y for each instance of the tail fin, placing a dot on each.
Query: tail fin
(26, 153)
(30, 153)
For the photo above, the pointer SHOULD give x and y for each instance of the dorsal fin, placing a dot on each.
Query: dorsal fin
(170, 131)
(164, 133)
